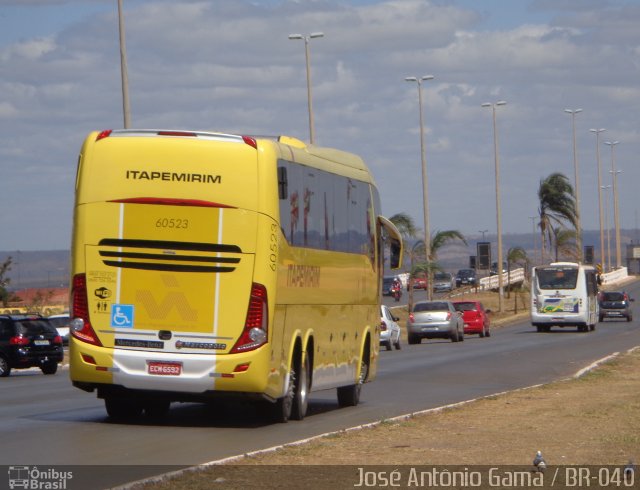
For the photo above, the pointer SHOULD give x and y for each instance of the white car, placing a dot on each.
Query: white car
(389, 329)
(61, 324)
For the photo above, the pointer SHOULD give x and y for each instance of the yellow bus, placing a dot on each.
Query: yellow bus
(209, 265)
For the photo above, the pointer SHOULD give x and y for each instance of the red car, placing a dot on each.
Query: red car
(476, 318)
(418, 283)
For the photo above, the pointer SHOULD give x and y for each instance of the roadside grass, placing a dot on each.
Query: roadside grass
(590, 420)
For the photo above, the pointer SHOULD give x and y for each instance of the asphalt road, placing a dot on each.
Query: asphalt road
(44, 421)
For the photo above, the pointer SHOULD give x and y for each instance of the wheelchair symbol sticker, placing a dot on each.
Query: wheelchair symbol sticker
(121, 316)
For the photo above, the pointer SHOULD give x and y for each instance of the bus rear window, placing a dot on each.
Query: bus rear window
(553, 278)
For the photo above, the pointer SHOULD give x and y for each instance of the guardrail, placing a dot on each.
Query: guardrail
(614, 276)
(492, 282)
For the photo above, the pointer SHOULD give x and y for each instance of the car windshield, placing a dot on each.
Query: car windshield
(557, 278)
(613, 296)
(465, 273)
(435, 306)
(464, 306)
(34, 327)
(441, 276)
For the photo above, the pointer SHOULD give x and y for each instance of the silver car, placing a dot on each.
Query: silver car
(443, 281)
(389, 329)
(435, 320)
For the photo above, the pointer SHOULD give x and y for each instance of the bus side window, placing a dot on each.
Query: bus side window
(283, 183)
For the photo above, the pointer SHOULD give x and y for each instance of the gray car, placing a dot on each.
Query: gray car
(615, 304)
(443, 281)
(434, 320)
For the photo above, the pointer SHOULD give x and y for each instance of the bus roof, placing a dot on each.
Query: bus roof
(290, 148)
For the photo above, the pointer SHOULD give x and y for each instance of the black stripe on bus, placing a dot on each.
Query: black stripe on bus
(151, 266)
(177, 258)
(164, 244)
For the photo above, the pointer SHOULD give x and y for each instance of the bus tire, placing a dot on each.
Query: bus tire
(282, 409)
(301, 390)
(122, 409)
(349, 396)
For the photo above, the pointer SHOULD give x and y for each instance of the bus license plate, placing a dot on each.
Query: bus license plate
(164, 368)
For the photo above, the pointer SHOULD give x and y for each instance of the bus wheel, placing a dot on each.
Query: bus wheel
(283, 407)
(301, 394)
(349, 396)
(122, 408)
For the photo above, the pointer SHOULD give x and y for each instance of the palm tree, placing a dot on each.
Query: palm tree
(565, 243)
(514, 255)
(557, 206)
(441, 238)
(405, 225)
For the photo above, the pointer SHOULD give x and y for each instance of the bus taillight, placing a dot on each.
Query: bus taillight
(256, 325)
(80, 324)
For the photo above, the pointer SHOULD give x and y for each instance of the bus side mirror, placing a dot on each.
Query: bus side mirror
(394, 259)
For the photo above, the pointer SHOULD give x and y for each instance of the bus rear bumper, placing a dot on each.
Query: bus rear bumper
(558, 320)
(184, 376)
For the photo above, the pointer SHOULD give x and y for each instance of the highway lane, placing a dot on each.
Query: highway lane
(44, 421)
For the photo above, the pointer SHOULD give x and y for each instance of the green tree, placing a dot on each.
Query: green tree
(515, 255)
(557, 207)
(564, 243)
(5, 267)
(405, 225)
(441, 238)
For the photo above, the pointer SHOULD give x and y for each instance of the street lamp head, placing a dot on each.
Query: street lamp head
(410, 79)
(611, 143)
(313, 35)
(597, 130)
(296, 36)
(427, 77)
(575, 111)
(489, 104)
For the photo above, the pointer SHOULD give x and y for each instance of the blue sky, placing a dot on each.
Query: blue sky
(227, 65)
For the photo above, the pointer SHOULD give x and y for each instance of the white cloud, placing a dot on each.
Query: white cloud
(228, 65)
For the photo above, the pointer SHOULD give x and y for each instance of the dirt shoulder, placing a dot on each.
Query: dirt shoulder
(593, 419)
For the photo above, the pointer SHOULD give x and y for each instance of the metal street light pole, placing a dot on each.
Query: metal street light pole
(533, 234)
(425, 182)
(313, 35)
(577, 184)
(126, 109)
(616, 222)
(597, 133)
(607, 265)
(498, 212)
(483, 232)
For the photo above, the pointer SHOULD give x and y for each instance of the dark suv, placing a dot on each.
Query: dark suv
(466, 277)
(28, 341)
(615, 304)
